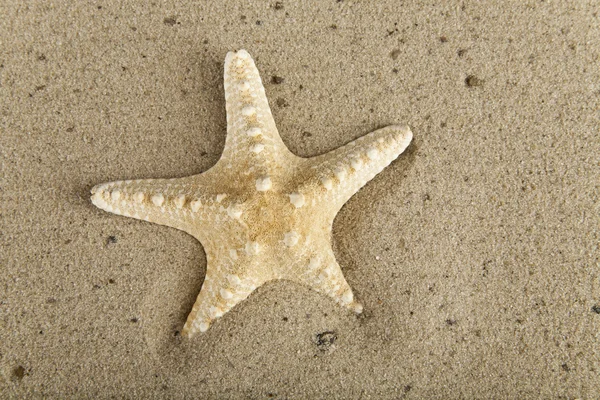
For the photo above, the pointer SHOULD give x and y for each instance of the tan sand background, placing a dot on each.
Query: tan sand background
(475, 254)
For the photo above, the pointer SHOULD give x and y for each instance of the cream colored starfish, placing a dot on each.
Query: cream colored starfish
(261, 212)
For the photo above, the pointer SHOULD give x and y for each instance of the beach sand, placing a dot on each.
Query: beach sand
(475, 254)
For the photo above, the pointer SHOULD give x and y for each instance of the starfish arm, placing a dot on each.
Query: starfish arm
(334, 177)
(229, 280)
(253, 145)
(322, 273)
(183, 203)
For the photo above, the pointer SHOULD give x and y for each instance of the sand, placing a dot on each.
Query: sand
(475, 254)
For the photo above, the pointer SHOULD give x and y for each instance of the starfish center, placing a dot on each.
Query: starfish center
(271, 219)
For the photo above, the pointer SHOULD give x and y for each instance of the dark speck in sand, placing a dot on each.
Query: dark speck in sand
(170, 21)
(473, 81)
(281, 102)
(325, 340)
(18, 373)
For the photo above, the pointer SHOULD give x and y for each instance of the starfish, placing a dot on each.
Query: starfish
(261, 213)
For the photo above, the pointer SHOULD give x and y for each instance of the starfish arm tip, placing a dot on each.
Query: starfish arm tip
(404, 131)
(98, 196)
(233, 53)
(356, 307)
(191, 329)
(401, 135)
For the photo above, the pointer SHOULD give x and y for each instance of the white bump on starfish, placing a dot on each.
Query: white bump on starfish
(297, 199)
(195, 205)
(372, 153)
(244, 86)
(179, 201)
(356, 163)
(340, 173)
(241, 208)
(291, 238)
(158, 199)
(257, 148)
(234, 280)
(226, 294)
(139, 197)
(215, 312)
(313, 263)
(203, 326)
(252, 248)
(234, 211)
(248, 111)
(327, 183)
(329, 271)
(115, 195)
(263, 184)
(253, 132)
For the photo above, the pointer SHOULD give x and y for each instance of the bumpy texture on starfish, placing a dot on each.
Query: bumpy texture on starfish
(261, 212)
